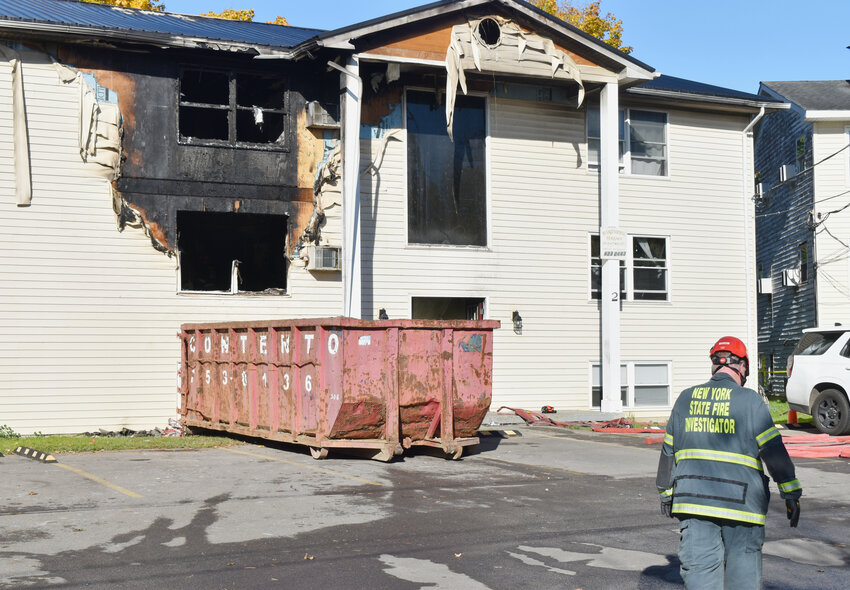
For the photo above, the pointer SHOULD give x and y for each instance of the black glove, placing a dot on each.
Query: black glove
(793, 508)
(667, 506)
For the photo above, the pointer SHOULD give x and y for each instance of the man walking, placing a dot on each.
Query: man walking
(710, 474)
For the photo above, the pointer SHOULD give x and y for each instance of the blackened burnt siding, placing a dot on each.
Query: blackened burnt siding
(782, 224)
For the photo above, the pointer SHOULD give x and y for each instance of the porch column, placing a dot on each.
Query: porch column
(609, 218)
(350, 138)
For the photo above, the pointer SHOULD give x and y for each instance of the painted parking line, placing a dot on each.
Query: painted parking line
(303, 466)
(99, 480)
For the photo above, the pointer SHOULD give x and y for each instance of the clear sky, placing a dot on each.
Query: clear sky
(731, 43)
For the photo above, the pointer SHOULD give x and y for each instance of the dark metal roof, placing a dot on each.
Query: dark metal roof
(690, 87)
(98, 17)
(814, 95)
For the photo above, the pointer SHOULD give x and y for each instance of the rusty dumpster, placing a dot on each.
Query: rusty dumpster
(328, 383)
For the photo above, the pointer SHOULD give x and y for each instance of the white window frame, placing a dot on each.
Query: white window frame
(626, 159)
(629, 383)
(487, 173)
(627, 290)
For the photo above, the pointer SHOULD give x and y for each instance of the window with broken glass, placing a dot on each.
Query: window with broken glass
(644, 273)
(642, 141)
(446, 178)
(236, 109)
(231, 252)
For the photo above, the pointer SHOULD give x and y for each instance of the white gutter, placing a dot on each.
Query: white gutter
(352, 88)
(749, 227)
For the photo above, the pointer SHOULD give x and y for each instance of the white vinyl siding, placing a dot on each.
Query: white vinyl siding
(543, 206)
(833, 258)
(88, 314)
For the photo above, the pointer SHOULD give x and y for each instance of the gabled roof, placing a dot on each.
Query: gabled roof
(342, 38)
(81, 19)
(680, 89)
(816, 99)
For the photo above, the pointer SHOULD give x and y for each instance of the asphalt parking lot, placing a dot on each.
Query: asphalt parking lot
(531, 508)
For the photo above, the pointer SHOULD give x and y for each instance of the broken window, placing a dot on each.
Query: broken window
(642, 141)
(233, 108)
(446, 180)
(231, 252)
(447, 308)
(643, 275)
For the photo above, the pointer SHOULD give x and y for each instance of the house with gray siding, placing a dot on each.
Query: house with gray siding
(460, 160)
(802, 175)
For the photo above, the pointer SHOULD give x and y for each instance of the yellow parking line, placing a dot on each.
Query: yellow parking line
(96, 479)
(302, 465)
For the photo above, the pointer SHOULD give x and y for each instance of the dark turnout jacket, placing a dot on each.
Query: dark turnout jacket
(719, 437)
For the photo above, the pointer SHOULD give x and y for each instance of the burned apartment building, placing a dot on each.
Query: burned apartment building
(461, 160)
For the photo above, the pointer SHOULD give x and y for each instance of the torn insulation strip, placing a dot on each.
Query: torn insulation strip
(23, 176)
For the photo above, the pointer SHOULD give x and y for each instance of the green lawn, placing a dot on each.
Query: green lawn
(779, 411)
(76, 443)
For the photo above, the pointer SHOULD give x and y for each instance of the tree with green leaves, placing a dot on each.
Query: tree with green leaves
(589, 19)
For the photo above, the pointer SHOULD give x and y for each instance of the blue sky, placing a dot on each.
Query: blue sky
(732, 43)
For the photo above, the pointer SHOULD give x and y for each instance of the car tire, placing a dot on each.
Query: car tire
(831, 412)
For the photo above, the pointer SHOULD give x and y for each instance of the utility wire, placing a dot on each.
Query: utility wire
(776, 186)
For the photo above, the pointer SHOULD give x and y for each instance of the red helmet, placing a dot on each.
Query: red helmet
(734, 347)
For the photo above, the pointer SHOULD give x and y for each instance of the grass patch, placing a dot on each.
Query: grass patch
(779, 412)
(80, 443)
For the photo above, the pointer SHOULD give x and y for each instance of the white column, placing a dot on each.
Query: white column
(350, 138)
(610, 217)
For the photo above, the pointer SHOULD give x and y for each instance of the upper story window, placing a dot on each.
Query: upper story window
(235, 109)
(446, 180)
(643, 275)
(642, 141)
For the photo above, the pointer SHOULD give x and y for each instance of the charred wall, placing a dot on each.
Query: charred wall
(165, 168)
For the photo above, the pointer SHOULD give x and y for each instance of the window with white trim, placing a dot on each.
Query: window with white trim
(644, 273)
(643, 384)
(642, 141)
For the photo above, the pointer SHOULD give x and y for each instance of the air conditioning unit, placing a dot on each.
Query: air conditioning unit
(759, 189)
(324, 258)
(791, 277)
(766, 286)
(787, 172)
(322, 116)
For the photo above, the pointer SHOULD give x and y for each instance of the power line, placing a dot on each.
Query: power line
(803, 171)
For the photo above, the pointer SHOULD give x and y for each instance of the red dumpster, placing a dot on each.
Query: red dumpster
(340, 382)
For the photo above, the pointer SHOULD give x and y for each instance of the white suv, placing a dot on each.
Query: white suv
(819, 378)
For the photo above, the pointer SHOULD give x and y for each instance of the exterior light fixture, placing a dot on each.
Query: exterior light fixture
(517, 320)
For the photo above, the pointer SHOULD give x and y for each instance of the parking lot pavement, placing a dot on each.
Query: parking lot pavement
(542, 508)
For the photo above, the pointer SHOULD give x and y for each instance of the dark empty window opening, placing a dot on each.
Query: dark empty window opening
(232, 252)
(233, 109)
(446, 180)
(447, 308)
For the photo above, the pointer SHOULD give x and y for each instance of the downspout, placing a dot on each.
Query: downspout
(352, 88)
(749, 216)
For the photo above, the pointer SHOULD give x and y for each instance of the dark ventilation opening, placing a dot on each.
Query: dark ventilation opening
(489, 32)
(210, 242)
(448, 308)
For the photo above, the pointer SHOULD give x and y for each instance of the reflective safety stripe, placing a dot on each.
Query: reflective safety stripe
(722, 456)
(790, 486)
(767, 435)
(668, 439)
(667, 492)
(713, 511)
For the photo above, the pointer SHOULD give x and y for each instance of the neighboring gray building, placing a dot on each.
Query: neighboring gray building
(802, 169)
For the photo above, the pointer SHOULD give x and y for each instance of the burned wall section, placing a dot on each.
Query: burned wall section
(204, 132)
